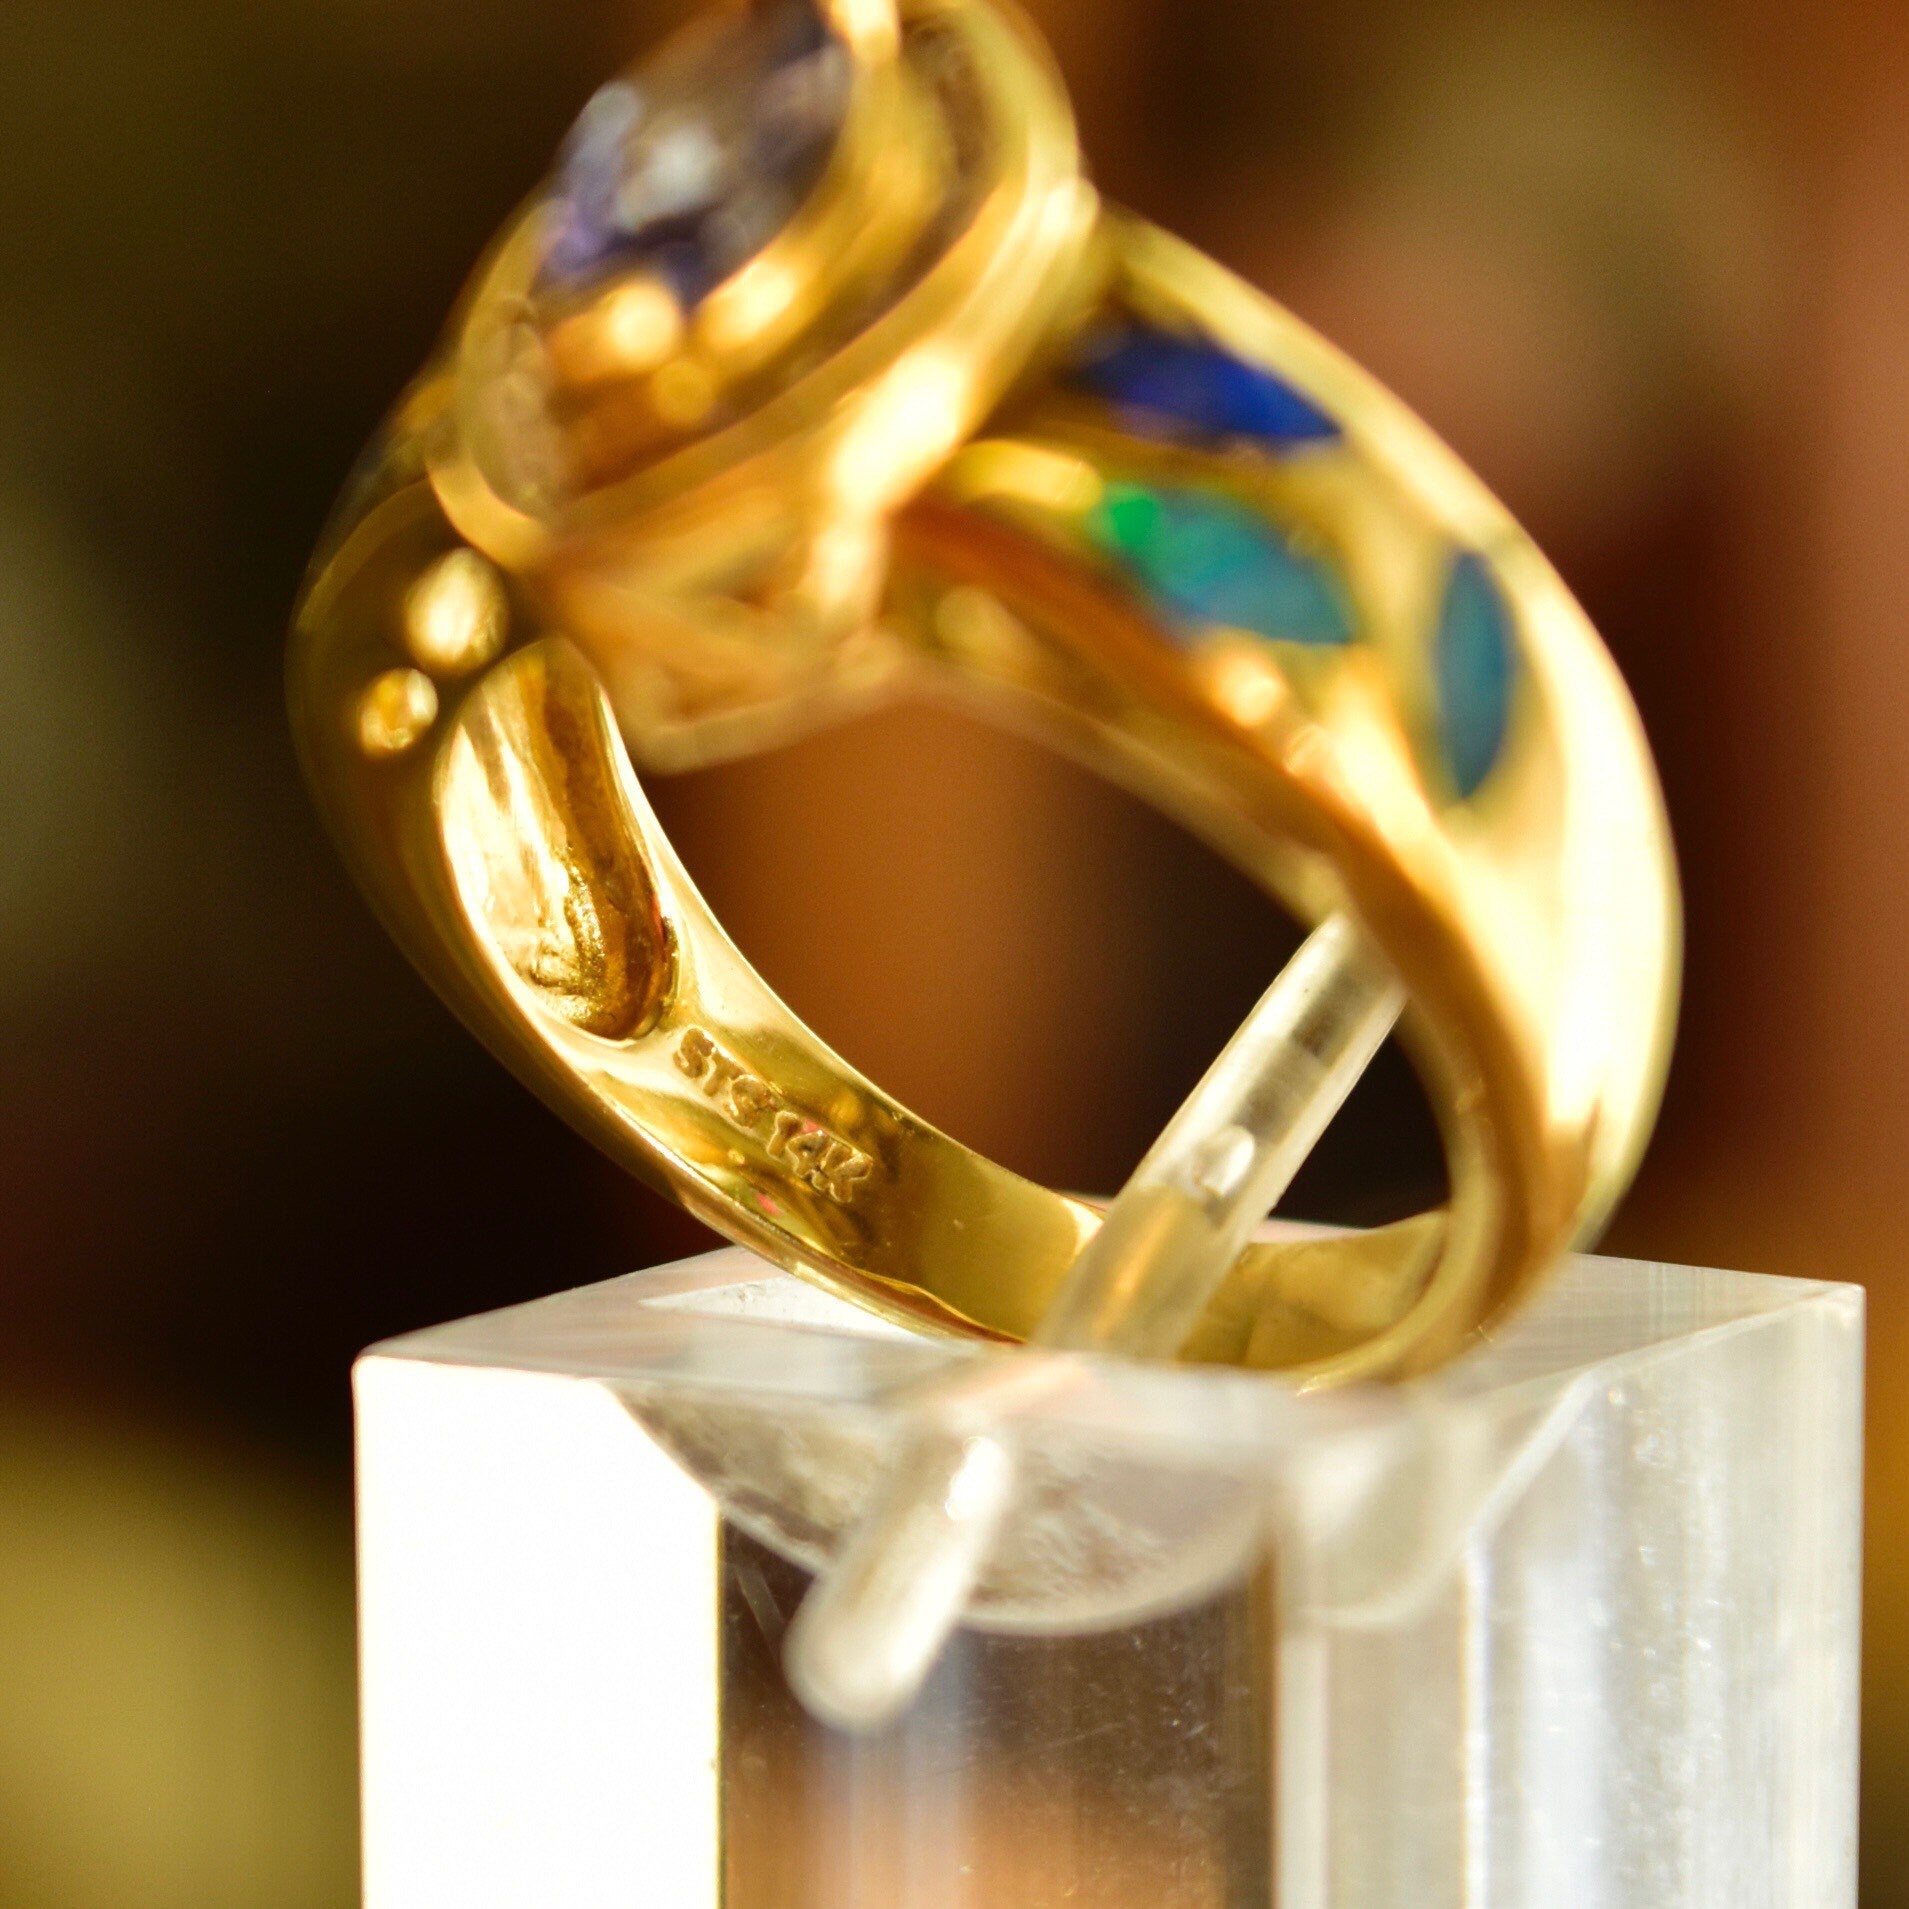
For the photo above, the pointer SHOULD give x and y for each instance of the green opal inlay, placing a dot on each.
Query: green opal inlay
(1216, 562)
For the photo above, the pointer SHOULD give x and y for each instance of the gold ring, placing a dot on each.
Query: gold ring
(817, 375)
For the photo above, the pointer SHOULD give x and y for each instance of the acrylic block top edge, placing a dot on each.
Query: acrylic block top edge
(730, 1321)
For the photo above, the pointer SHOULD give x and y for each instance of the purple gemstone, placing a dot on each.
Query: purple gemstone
(691, 165)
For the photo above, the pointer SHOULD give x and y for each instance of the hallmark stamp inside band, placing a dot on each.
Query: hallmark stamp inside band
(816, 1156)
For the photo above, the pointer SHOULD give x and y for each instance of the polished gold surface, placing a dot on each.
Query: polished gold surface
(605, 526)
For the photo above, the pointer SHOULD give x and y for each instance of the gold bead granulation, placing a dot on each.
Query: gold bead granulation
(456, 615)
(395, 710)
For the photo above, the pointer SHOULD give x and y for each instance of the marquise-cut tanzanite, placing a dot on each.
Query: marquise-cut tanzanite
(689, 167)
(1217, 563)
(1167, 384)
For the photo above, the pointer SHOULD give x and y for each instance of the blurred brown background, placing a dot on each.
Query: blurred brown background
(1646, 262)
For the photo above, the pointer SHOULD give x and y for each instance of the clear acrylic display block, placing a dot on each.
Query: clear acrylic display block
(1571, 1623)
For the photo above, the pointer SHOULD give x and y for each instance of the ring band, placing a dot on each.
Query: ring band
(883, 402)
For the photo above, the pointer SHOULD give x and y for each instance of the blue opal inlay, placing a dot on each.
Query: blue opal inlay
(1171, 385)
(1216, 562)
(690, 166)
(1474, 662)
